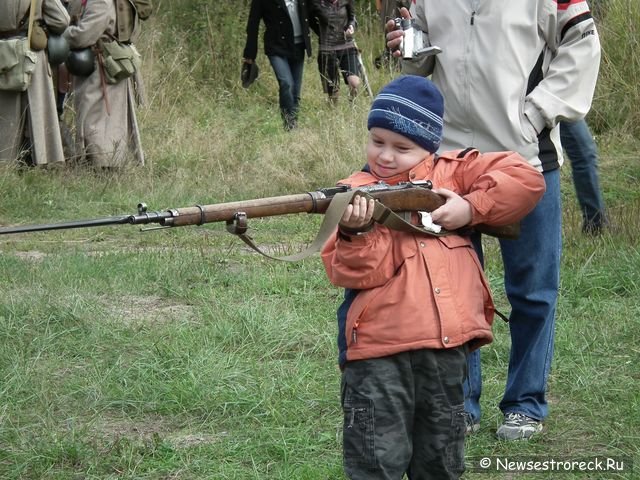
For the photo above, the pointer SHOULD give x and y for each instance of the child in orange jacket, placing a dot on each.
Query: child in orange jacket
(415, 304)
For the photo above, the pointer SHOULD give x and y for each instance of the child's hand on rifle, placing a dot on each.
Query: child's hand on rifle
(358, 214)
(455, 213)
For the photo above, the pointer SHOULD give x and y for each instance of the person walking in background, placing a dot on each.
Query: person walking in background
(286, 41)
(335, 23)
(29, 130)
(581, 149)
(507, 89)
(106, 94)
(416, 303)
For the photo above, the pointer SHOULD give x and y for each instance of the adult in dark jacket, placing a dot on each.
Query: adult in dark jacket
(335, 23)
(286, 39)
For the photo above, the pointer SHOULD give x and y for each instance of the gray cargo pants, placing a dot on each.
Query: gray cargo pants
(405, 414)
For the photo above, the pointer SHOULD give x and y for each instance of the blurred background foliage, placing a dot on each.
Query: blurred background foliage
(210, 38)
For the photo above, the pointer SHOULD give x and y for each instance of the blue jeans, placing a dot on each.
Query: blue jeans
(288, 72)
(532, 277)
(473, 382)
(581, 149)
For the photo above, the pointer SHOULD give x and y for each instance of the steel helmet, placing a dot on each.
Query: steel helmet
(81, 62)
(57, 49)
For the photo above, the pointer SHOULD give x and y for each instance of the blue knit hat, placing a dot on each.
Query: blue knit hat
(411, 106)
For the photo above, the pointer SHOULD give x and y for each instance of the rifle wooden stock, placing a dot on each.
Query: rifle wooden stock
(313, 202)
(404, 197)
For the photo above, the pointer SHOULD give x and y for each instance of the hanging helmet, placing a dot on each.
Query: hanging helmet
(81, 62)
(57, 49)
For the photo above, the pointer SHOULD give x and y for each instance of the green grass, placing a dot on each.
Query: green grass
(181, 354)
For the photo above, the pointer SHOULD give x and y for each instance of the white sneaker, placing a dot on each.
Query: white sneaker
(517, 426)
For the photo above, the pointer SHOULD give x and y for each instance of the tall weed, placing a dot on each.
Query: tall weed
(615, 109)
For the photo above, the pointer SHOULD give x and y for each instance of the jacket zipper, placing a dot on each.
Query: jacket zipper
(356, 324)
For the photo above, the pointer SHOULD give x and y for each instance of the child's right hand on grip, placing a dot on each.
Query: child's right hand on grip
(358, 214)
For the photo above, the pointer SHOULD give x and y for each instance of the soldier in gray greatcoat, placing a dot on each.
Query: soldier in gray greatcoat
(107, 132)
(29, 128)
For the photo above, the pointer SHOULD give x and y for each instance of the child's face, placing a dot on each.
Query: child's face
(389, 153)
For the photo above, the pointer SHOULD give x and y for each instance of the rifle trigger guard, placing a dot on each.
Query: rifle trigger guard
(238, 225)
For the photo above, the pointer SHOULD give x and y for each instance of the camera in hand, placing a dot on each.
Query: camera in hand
(413, 45)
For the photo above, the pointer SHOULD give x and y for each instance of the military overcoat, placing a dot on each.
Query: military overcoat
(31, 113)
(106, 125)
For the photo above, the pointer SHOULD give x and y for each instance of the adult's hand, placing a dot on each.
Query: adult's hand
(395, 34)
(349, 31)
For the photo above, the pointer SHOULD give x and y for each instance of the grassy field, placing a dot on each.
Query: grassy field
(180, 354)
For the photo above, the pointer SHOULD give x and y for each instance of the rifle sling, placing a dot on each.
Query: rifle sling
(32, 16)
(382, 214)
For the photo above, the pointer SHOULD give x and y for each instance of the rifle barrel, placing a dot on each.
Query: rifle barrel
(96, 222)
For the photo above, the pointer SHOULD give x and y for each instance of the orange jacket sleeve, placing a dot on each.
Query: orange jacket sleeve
(502, 188)
(362, 261)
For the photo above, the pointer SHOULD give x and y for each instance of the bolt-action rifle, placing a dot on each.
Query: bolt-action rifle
(405, 197)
